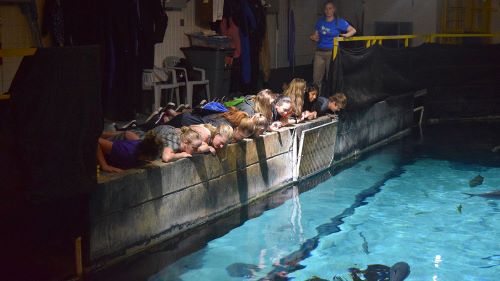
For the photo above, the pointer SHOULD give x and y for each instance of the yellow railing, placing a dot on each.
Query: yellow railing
(17, 52)
(371, 40)
(6, 53)
(431, 38)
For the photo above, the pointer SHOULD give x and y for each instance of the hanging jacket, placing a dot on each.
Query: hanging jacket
(246, 64)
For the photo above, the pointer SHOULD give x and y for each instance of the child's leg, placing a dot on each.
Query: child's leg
(109, 134)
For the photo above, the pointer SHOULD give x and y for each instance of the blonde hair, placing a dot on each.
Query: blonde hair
(211, 128)
(263, 104)
(224, 130)
(189, 135)
(296, 93)
(247, 125)
(340, 99)
(260, 121)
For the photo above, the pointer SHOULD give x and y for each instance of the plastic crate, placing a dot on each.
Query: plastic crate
(213, 41)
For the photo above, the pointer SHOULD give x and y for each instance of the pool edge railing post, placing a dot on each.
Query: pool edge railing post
(335, 47)
(78, 257)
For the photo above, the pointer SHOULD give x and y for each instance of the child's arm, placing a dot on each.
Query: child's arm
(275, 126)
(206, 148)
(129, 135)
(104, 146)
(169, 155)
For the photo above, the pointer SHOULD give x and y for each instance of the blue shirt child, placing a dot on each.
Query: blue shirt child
(328, 30)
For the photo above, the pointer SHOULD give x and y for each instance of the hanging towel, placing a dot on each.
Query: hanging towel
(265, 58)
(231, 30)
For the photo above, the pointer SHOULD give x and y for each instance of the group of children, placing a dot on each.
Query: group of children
(174, 135)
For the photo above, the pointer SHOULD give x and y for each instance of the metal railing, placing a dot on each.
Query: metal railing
(5, 53)
(431, 38)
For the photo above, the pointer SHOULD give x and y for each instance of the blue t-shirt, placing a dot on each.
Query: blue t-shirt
(328, 30)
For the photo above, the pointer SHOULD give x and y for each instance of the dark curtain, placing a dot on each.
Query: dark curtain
(126, 30)
(370, 75)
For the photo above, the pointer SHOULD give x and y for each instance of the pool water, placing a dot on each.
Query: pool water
(404, 202)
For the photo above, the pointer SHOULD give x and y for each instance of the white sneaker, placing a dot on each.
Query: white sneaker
(153, 114)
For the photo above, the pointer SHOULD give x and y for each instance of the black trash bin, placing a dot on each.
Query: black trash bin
(213, 61)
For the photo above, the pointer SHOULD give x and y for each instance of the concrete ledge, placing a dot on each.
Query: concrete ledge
(160, 179)
(360, 129)
(133, 210)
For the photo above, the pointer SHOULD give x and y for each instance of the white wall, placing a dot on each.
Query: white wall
(175, 35)
(495, 20)
(352, 11)
(305, 17)
(14, 33)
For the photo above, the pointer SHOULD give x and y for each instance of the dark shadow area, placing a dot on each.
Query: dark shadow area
(54, 120)
(242, 179)
(286, 74)
(466, 145)
(262, 158)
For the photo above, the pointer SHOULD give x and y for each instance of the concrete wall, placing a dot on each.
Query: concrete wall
(143, 206)
(363, 128)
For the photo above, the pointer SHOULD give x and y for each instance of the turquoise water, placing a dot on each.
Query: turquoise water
(405, 202)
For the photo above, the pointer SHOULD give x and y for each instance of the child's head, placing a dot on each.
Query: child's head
(284, 106)
(244, 130)
(149, 148)
(296, 91)
(263, 103)
(312, 92)
(223, 135)
(190, 140)
(261, 124)
(337, 102)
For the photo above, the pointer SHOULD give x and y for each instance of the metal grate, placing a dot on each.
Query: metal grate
(316, 149)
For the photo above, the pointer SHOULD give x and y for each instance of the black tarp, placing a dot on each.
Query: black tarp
(57, 116)
(369, 75)
(126, 30)
(54, 123)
